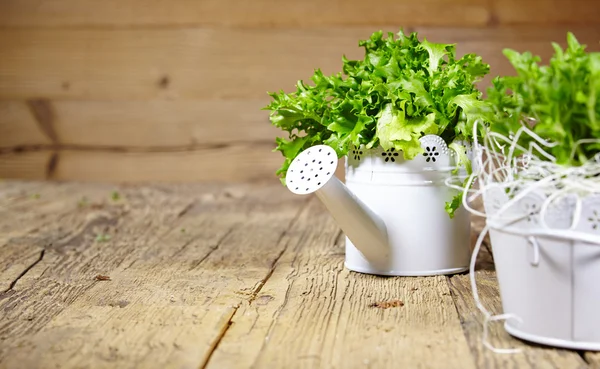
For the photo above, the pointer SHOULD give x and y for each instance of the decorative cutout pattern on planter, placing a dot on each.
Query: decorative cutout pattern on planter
(434, 144)
(437, 158)
(435, 152)
(531, 210)
(589, 221)
(390, 155)
(431, 153)
(594, 219)
(357, 153)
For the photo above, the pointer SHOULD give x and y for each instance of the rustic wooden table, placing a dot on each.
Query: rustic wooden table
(221, 276)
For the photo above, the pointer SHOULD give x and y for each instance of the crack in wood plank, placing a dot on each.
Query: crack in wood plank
(261, 284)
(16, 280)
(44, 116)
(186, 209)
(288, 289)
(269, 331)
(52, 164)
(233, 310)
(225, 324)
(228, 322)
(337, 322)
(212, 249)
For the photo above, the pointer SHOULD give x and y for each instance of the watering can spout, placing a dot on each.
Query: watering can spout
(312, 171)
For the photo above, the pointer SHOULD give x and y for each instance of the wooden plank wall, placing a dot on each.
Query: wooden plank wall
(171, 90)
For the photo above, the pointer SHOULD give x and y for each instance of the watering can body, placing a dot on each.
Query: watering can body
(391, 209)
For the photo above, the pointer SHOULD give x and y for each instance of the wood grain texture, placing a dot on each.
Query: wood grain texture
(24, 208)
(532, 356)
(141, 124)
(306, 14)
(18, 126)
(314, 313)
(133, 64)
(120, 64)
(163, 122)
(173, 277)
(231, 13)
(25, 165)
(229, 163)
(232, 163)
(546, 12)
(219, 275)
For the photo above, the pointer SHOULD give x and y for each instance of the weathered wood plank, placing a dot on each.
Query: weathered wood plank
(18, 126)
(532, 356)
(163, 123)
(233, 163)
(261, 13)
(193, 63)
(141, 124)
(135, 63)
(466, 13)
(314, 313)
(26, 165)
(546, 12)
(174, 273)
(229, 163)
(58, 278)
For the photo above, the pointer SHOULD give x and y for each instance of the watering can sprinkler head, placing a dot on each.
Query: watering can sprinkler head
(313, 171)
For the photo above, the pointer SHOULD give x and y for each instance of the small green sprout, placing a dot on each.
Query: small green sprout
(102, 237)
(115, 196)
(83, 202)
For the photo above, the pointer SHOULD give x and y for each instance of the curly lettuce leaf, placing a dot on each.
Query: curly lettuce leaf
(395, 130)
(436, 53)
(453, 205)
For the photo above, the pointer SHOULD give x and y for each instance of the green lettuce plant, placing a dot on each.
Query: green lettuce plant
(402, 89)
(559, 101)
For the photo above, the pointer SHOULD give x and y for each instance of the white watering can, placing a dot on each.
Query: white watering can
(391, 209)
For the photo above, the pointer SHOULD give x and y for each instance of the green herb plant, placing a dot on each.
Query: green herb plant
(403, 89)
(560, 101)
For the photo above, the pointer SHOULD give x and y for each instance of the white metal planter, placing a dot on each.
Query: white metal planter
(391, 209)
(548, 277)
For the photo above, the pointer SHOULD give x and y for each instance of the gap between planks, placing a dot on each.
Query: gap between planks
(131, 149)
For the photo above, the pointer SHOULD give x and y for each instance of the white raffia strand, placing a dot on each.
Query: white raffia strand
(533, 171)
